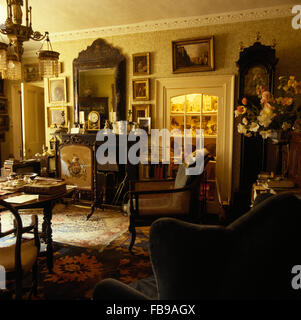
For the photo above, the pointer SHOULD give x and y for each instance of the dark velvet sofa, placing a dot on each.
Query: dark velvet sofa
(252, 258)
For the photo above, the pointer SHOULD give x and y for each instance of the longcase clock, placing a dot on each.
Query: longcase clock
(256, 65)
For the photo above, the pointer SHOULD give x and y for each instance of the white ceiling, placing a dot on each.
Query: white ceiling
(66, 15)
(58, 16)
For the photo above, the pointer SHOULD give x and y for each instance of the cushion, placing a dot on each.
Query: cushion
(183, 180)
(29, 253)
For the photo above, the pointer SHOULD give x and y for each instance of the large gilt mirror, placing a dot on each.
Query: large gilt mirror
(99, 82)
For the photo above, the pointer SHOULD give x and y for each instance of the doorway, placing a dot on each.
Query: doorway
(32, 120)
(221, 88)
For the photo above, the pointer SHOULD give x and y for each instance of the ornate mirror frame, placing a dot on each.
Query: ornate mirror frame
(102, 55)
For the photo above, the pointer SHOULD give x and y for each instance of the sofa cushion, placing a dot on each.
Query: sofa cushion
(29, 252)
(182, 179)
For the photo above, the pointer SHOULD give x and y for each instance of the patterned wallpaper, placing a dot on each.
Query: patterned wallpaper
(227, 44)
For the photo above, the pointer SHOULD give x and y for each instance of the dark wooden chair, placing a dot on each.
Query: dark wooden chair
(20, 258)
(153, 199)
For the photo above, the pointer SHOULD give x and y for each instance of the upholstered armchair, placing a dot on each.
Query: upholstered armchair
(252, 258)
(179, 197)
(20, 258)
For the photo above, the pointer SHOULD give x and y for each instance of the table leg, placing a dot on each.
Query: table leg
(47, 231)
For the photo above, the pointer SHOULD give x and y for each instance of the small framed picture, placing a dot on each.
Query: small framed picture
(31, 72)
(57, 90)
(141, 89)
(145, 124)
(3, 105)
(140, 111)
(57, 116)
(193, 55)
(141, 63)
(4, 122)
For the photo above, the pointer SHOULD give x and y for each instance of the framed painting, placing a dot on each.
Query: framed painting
(57, 90)
(140, 111)
(193, 55)
(141, 63)
(141, 89)
(145, 124)
(31, 72)
(3, 105)
(57, 116)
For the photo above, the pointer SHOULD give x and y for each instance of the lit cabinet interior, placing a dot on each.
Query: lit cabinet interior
(196, 111)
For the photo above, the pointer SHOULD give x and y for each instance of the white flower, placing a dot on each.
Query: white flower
(266, 134)
(241, 128)
(265, 117)
(286, 126)
(245, 121)
(254, 127)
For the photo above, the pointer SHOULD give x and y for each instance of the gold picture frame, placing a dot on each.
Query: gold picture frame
(141, 63)
(140, 111)
(193, 55)
(145, 123)
(31, 72)
(57, 90)
(57, 116)
(140, 89)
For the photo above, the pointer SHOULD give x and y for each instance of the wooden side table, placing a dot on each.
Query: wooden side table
(46, 202)
(263, 187)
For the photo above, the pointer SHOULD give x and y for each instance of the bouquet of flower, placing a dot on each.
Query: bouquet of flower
(273, 114)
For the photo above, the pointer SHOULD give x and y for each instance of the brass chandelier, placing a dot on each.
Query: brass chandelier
(11, 54)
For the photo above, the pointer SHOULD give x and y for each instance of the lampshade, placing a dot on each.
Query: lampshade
(13, 71)
(48, 63)
(17, 34)
(3, 56)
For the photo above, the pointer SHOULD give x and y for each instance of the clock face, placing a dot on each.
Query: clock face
(93, 117)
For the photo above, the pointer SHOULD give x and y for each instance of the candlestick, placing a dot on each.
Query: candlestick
(82, 117)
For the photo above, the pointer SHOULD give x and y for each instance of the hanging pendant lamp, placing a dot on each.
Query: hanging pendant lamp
(48, 60)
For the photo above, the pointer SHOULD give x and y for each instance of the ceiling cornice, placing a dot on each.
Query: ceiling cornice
(178, 23)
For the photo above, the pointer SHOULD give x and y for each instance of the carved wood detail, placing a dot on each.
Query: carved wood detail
(102, 55)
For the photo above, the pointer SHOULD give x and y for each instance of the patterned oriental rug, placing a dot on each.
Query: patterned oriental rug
(70, 225)
(77, 270)
(85, 252)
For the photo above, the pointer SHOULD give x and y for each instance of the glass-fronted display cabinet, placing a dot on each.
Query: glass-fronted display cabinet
(196, 111)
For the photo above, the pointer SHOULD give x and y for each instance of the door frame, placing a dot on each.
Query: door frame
(224, 85)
